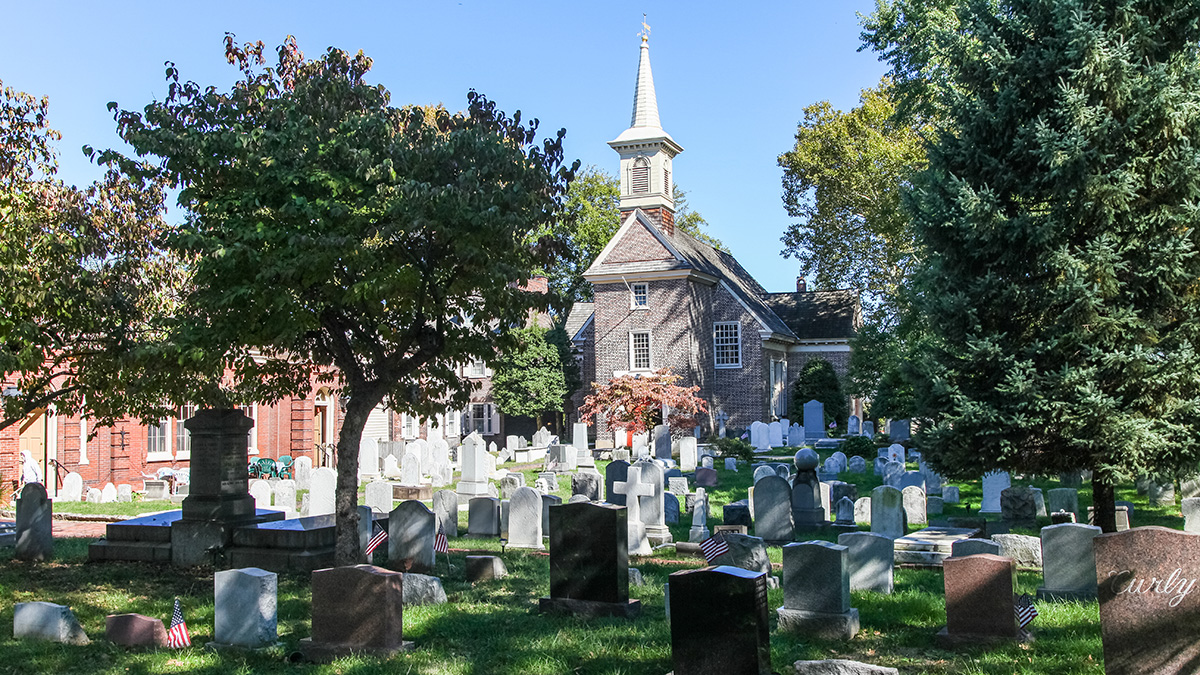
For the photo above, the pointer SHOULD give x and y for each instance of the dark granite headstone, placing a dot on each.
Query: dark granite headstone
(719, 622)
(1148, 604)
(35, 522)
(670, 508)
(706, 478)
(808, 511)
(737, 513)
(979, 599)
(616, 472)
(358, 608)
(135, 630)
(589, 561)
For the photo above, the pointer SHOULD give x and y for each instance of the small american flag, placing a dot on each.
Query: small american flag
(380, 535)
(713, 548)
(177, 636)
(1024, 609)
(440, 545)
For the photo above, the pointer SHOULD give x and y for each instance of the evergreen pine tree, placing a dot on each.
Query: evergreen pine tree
(1059, 226)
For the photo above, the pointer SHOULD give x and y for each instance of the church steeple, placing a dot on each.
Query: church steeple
(647, 151)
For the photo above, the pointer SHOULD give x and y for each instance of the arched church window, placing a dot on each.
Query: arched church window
(640, 176)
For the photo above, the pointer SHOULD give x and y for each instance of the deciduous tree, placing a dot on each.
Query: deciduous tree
(634, 402)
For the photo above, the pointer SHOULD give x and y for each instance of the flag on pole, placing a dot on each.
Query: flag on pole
(1024, 609)
(379, 536)
(713, 548)
(177, 636)
(440, 544)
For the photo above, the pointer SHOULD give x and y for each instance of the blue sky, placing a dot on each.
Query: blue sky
(731, 83)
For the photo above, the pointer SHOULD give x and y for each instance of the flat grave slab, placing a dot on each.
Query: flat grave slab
(931, 545)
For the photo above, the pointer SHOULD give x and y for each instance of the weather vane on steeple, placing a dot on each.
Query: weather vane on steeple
(645, 29)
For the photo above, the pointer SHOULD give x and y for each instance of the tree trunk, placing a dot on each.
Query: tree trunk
(1104, 507)
(346, 545)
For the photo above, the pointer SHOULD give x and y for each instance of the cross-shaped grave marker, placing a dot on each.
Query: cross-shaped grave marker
(633, 488)
(721, 417)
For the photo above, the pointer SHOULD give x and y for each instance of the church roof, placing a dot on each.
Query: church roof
(578, 317)
(814, 315)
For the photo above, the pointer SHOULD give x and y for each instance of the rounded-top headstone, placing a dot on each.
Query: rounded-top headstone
(806, 459)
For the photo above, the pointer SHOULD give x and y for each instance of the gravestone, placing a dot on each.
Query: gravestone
(719, 622)
(321, 494)
(589, 562)
(775, 434)
(760, 436)
(993, 484)
(260, 490)
(699, 531)
(950, 494)
(662, 441)
(1039, 502)
(445, 511)
(893, 473)
(124, 492)
(245, 614)
(72, 489)
(862, 510)
(379, 496)
(483, 517)
(670, 508)
(285, 497)
(731, 464)
(475, 477)
(547, 502)
(899, 430)
(868, 429)
(653, 506)
(411, 529)
(687, 454)
(1191, 514)
(1189, 487)
(368, 458)
(870, 559)
(707, 477)
(677, 485)
(1017, 505)
(896, 453)
(588, 485)
(816, 591)
(1148, 602)
(706, 462)
(303, 468)
(773, 509)
(808, 511)
(411, 468)
(47, 621)
(135, 630)
(795, 435)
(934, 506)
(579, 436)
(1162, 493)
(857, 464)
(357, 609)
(1068, 562)
(1063, 499)
(762, 472)
(913, 499)
(35, 521)
(633, 486)
(853, 426)
(541, 438)
(108, 495)
(979, 600)
(616, 471)
(965, 547)
(525, 519)
(887, 512)
(814, 420)
(94, 496)
(844, 510)
(912, 479)
(510, 483)
(484, 568)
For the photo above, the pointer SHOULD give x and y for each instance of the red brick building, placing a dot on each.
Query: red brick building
(664, 299)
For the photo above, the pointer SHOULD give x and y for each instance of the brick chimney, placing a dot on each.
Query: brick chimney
(801, 285)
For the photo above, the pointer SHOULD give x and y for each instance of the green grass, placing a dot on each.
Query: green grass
(134, 508)
(493, 627)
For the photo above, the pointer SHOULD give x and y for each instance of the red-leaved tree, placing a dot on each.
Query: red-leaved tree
(634, 402)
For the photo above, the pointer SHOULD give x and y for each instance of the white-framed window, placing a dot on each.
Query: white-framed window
(157, 447)
(183, 437)
(639, 176)
(477, 368)
(409, 426)
(639, 350)
(252, 412)
(482, 418)
(639, 295)
(727, 344)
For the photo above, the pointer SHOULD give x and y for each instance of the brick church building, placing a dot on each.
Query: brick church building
(664, 299)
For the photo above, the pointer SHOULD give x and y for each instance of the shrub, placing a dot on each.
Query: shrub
(733, 447)
(859, 445)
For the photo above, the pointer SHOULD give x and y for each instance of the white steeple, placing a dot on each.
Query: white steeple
(646, 150)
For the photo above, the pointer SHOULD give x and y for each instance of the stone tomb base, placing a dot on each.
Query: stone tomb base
(824, 625)
(407, 492)
(946, 640)
(930, 546)
(322, 652)
(589, 608)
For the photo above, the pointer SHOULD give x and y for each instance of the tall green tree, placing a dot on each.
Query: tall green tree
(83, 278)
(591, 217)
(818, 381)
(530, 379)
(1059, 227)
(333, 233)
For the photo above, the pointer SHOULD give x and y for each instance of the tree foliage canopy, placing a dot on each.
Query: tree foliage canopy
(332, 234)
(1058, 224)
(531, 377)
(634, 402)
(82, 277)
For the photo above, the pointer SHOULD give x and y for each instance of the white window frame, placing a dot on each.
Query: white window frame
(484, 428)
(477, 368)
(164, 453)
(182, 413)
(649, 351)
(252, 412)
(409, 427)
(737, 340)
(645, 295)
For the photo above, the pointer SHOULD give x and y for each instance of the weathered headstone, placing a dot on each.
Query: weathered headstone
(124, 492)
(484, 568)
(483, 517)
(870, 559)
(814, 420)
(261, 491)
(1017, 505)
(356, 609)
(816, 591)
(853, 426)
(411, 530)
(653, 506)
(284, 497)
(303, 468)
(899, 430)
(445, 511)
(1162, 492)
(862, 510)
(579, 435)
(950, 494)
(1148, 604)
(719, 623)
(979, 599)
(699, 531)
(856, 464)
(94, 496)
(893, 473)
(633, 489)
(108, 494)
(547, 502)
(844, 513)
(47, 621)
(321, 494)
(887, 512)
(731, 464)
(662, 441)
(1068, 563)
(760, 436)
(868, 429)
(965, 547)
(72, 489)
(588, 485)
(525, 519)
(773, 509)
(474, 459)
(993, 484)
(379, 496)
(135, 630)
(687, 454)
(35, 522)
(616, 471)
(246, 602)
(913, 499)
(912, 479)
(775, 434)
(706, 477)
(1063, 499)
(589, 561)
